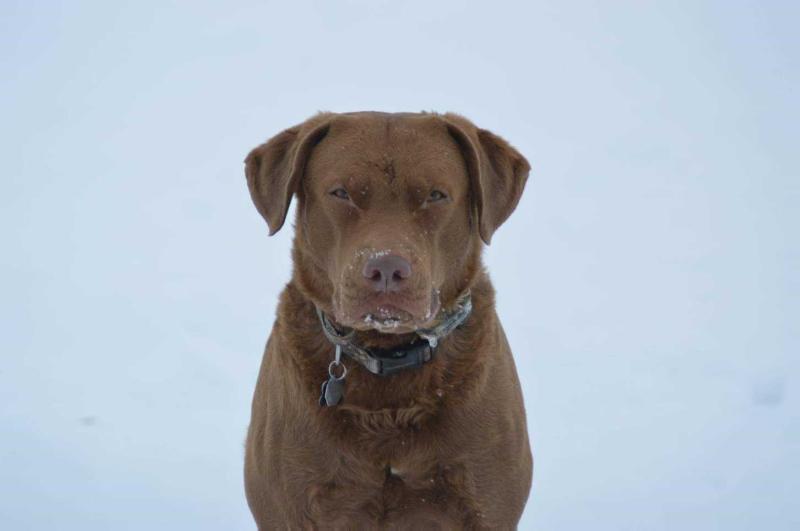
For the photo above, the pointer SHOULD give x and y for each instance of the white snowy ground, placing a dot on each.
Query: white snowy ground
(648, 282)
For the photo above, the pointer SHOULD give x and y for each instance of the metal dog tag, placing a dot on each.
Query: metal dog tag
(332, 392)
(333, 388)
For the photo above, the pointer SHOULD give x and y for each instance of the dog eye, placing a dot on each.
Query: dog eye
(341, 193)
(435, 196)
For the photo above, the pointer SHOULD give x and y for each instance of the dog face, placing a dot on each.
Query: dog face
(391, 211)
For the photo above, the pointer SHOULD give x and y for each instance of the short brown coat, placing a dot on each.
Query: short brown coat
(441, 447)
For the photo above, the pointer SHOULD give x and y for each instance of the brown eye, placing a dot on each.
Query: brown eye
(341, 193)
(435, 196)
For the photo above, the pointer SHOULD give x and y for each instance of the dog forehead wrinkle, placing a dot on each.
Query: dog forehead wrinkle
(389, 168)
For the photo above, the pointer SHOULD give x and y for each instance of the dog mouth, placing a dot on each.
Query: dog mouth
(387, 319)
(393, 317)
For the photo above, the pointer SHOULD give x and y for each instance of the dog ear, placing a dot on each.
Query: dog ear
(274, 168)
(497, 171)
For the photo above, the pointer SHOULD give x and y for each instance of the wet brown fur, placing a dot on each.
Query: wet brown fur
(441, 447)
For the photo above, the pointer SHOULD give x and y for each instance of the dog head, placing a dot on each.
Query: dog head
(392, 209)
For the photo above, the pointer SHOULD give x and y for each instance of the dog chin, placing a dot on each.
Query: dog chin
(389, 316)
(390, 320)
(388, 325)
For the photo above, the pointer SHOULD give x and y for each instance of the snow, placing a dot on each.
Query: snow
(382, 323)
(648, 282)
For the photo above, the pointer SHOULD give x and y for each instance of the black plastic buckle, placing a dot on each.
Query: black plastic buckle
(393, 361)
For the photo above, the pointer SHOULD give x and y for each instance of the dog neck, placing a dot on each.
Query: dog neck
(302, 347)
(413, 354)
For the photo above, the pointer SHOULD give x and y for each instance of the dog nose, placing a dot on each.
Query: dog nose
(387, 272)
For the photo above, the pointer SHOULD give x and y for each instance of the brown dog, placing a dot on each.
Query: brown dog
(427, 429)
